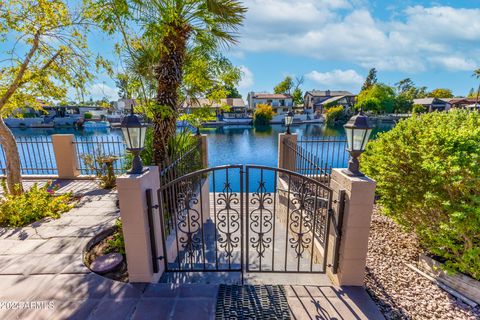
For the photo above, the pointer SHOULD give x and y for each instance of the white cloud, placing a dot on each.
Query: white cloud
(336, 78)
(454, 63)
(247, 78)
(416, 39)
(99, 91)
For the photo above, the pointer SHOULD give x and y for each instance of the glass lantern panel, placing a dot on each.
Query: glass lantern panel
(349, 133)
(367, 136)
(126, 136)
(358, 139)
(135, 137)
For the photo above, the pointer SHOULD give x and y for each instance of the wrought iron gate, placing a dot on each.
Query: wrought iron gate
(247, 219)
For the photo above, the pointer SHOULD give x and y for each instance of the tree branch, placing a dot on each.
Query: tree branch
(17, 81)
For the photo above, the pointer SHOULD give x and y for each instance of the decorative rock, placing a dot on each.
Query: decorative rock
(399, 292)
(106, 263)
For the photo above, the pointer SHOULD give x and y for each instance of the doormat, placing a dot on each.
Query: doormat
(252, 302)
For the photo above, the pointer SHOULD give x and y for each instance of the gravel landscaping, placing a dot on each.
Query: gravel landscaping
(400, 292)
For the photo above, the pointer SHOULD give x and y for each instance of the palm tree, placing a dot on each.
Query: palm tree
(177, 25)
(476, 74)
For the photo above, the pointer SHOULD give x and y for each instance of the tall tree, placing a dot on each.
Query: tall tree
(441, 93)
(370, 80)
(46, 50)
(476, 74)
(407, 90)
(379, 98)
(285, 86)
(172, 28)
(233, 92)
(471, 93)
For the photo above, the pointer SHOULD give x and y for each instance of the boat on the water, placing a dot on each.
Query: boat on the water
(239, 118)
(92, 125)
(314, 118)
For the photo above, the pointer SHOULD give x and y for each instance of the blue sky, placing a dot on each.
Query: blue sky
(333, 44)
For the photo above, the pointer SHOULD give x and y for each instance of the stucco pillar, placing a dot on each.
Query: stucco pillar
(65, 155)
(358, 207)
(136, 230)
(203, 150)
(286, 156)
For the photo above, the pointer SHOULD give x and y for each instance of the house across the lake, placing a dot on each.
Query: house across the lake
(433, 104)
(316, 100)
(464, 103)
(277, 101)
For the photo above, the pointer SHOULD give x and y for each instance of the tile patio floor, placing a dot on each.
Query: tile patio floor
(43, 262)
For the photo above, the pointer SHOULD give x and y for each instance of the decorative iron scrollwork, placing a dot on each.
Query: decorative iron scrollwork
(261, 219)
(228, 220)
(301, 219)
(188, 220)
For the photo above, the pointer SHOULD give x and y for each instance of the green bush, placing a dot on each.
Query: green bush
(32, 205)
(176, 146)
(334, 114)
(116, 242)
(103, 166)
(418, 108)
(263, 115)
(87, 115)
(428, 178)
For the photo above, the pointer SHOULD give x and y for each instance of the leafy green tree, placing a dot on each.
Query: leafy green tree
(379, 98)
(263, 115)
(427, 170)
(334, 114)
(232, 92)
(418, 108)
(407, 90)
(471, 93)
(441, 93)
(370, 80)
(402, 104)
(285, 86)
(198, 116)
(297, 96)
(169, 31)
(48, 54)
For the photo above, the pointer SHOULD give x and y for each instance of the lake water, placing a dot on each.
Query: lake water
(226, 145)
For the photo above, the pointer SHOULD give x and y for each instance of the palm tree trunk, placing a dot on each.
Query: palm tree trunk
(14, 177)
(169, 76)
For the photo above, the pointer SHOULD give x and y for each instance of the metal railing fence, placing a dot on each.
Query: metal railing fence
(101, 146)
(317, 156)
(36, 156)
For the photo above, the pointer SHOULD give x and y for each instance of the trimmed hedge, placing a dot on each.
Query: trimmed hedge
(428, 178)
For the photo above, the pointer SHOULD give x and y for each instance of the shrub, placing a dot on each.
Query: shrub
(32, 205)
(428, 178)
(334, 114)
(87, 115)
(418, 108)
(103, 167)
(263, 114)
(116, 243)
(177, 145)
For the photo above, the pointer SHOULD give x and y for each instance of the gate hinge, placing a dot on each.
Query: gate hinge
(160, 258)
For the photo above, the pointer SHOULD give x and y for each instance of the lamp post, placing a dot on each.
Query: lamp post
(358, 130)
(134, 135)
(289, 120)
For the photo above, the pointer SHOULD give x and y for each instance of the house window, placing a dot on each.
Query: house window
(282, 102)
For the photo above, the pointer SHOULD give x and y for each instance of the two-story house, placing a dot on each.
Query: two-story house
(315, 100)
(280, 103)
